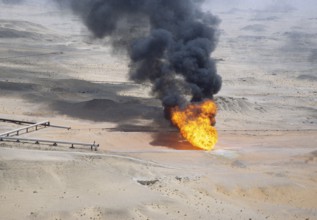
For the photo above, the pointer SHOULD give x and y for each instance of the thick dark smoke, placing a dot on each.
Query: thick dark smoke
(169, 43)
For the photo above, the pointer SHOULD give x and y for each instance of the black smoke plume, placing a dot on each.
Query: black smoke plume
(169, 43)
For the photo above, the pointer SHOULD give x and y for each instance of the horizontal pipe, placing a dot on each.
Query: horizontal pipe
(16, 121)
(58, 126)
(38, 141)
(28, 122)
(44, 123)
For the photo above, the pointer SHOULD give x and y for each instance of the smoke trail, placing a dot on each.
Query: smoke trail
(169, 43)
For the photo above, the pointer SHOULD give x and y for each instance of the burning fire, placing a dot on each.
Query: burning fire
(196, 123)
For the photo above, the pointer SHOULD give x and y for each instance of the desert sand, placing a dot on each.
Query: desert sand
(264, 165)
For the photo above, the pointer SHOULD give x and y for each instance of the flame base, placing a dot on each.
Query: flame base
(196, 124)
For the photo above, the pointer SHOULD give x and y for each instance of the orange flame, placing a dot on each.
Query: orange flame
(195, 123)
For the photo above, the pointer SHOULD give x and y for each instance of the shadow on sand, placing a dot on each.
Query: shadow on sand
(101, 103)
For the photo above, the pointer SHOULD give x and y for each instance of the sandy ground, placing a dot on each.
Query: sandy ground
(263, 167)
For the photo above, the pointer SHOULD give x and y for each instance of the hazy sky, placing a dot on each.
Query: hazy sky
(215, 6)
(225, 5)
